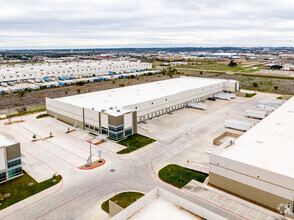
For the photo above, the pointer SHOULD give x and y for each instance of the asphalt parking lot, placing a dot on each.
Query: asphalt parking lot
(187, 134)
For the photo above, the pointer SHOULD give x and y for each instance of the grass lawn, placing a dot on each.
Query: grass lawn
(42, 116)
(123, 200)
(180, 176)
(134, 142)
(221, 67)
(19, 189)
(29, 111)
(249, 95)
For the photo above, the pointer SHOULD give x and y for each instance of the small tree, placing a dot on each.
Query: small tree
(276, 87)
(255, 84)
(21, 93)
(50, 134)
(232, 63)
(79, 90)
(34, 136)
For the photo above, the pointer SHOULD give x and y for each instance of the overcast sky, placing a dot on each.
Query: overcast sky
(145, 23)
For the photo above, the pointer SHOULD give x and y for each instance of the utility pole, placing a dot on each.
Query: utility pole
(90, 153)
(9, 119)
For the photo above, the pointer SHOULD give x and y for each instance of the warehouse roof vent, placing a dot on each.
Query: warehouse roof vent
(103, 110)
(117, 110)
(110, 108)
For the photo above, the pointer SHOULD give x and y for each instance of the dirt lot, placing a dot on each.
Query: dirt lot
(14, 101)
(273, 85)
(35, 97)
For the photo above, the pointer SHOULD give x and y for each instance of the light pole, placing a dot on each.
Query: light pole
(90, 153)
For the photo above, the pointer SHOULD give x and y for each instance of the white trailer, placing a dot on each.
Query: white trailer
(197, 105)
(271, 102)
(225, 96)
(256, 113)
(239, 124)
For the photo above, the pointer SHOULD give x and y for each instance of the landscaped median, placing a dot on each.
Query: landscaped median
(122, 199)
(22, 187)
(179, 176)
(134, 142)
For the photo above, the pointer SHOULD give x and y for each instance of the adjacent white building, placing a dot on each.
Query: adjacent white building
(10, 158)
(259, 165)
(116, 112)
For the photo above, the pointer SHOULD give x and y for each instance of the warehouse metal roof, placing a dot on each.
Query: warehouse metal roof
(269, 144)
(125, 98)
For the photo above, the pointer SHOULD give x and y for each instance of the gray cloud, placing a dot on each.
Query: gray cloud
(143, 23)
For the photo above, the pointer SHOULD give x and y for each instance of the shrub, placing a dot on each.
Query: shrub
(255, 84)
(276, 87)
(113, 81)
(21, 93)
(79, 90)
(121, 85)
(232, 63)
(80, 83)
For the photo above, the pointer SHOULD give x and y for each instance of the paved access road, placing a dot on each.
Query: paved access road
(80, 194)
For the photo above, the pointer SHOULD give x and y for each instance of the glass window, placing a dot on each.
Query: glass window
(116, 129)
(87, 126)
(104, 130)
(128, 132)
(116, 136)
(2, 177)
(14, 163)
(15, 172)
(91, 127)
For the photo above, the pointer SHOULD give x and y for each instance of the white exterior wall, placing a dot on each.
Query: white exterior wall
(91, 117)
(231, 86)
(128, 120)
(65, 109)
(104, 120)
(264, 180)
(3, 161)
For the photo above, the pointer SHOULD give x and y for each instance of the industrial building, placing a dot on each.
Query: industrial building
(116, 112)
(259, 165)
(10, 158)
(23, 73)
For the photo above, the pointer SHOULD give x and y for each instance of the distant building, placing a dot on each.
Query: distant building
(10, 158)
(38, 58)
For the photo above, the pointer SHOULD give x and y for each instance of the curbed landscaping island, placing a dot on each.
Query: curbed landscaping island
(23, 187)
(179, 176)
(134, 142)
(122, 199)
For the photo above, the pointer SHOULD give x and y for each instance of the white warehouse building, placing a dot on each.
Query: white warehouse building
(115, 112)
(259, 165)
(21, 73)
